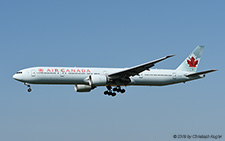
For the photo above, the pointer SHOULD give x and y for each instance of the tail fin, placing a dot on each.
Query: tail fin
(192, 61)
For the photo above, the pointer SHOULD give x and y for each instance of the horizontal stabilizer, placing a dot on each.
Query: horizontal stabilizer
(200, 73)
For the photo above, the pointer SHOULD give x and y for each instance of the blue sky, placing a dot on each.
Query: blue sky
(110, 34)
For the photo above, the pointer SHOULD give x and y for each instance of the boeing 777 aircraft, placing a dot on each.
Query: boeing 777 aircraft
(88, 78)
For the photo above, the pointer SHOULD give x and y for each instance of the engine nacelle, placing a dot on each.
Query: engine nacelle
(83, 88)
(97, 80)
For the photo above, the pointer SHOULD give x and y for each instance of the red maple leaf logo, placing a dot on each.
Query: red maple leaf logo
(192, 62)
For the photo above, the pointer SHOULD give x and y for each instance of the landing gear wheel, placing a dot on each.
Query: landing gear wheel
(109, 93)
(106, 92)
(29, 90)
(118, 90)
(115, 89)
(113, 94)
(122, 91)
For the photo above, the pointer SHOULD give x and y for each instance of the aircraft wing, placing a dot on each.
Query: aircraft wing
(200, 73)
(136, 69)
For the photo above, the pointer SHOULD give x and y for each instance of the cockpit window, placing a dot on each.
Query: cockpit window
(19, 72)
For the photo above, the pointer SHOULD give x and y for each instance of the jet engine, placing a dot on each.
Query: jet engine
(83, 88)
(97, 80)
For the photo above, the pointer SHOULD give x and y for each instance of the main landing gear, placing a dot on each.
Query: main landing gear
(112, 92)
(29, 88)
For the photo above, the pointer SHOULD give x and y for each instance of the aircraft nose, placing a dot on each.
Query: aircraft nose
(18, 76)
(15, 77)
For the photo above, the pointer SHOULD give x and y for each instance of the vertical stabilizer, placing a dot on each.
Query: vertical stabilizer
(192, 61)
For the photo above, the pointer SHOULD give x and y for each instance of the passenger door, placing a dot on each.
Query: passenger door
(33, 73)
(62, 74)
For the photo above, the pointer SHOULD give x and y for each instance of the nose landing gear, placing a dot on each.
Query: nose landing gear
(29, 88)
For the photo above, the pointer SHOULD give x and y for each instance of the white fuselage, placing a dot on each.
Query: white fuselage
(80, 75)
(86, 79)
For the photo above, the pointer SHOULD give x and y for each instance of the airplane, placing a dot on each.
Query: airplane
(86, 79)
